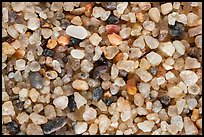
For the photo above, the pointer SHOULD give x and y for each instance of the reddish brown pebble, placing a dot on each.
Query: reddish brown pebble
(112, 28)
(88, 9)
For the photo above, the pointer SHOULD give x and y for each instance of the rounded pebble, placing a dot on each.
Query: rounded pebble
(89, 114)
(78, 54)
(36, 80)
(154, 14)
(80, 85)
(78, 32)
(146, 126)
(61, 102)
(33, 23)
(34, 66)
(189, 77)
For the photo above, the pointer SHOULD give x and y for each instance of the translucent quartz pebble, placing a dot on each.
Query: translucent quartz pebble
(115, 39)
(20, 64)
(144, 5)
(20, 28)
(12, 31)
(95, 39)
(33, 129)
(192, 19)
(97, 12)
(167, 48)
(139, 42)
(77, 32)
(191, 63)
(154, 14)
(5, 14)
(49, 111)
(18, 6)
(110, 52)
(188, 77)
(68, 6)
(34, 66)
(194, 89)
(177, 121)
(166, 8)
(80, 85)
(89, 114)
(22, 117)
(146, 126)
(61, 102)
(78, 54)
(80, 127)
(104, 123)
(76, 21)
(38, 119)
(179, 47)
(175, 92)
(121, 7)
(79, 99)
(98, 53)
(154, 58)
(195, 31)
(127, 65)
(144, 89)
(56, 66)
(143, 74)
(33, 23)
(8, 109)
(46, 33)
(151, 42)
(149, 25)
(56, 6)
(125, 33)
(119, 82)
(198, 41)
(189, 127)
(86, 66)
(114, 71)
(93, 129)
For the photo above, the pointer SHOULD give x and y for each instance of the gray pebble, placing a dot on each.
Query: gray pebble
(97, 93)
(54, 125)
(36, 80)
(165, 100)
(109, 5)
(153, 71)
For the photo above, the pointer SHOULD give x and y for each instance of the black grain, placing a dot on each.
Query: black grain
(165, 100)
(48, 52)
(71, 104)
(112, 19)
(177, 30)
(13, 127)
(54, 125)
(74, 41)
(97, 93)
